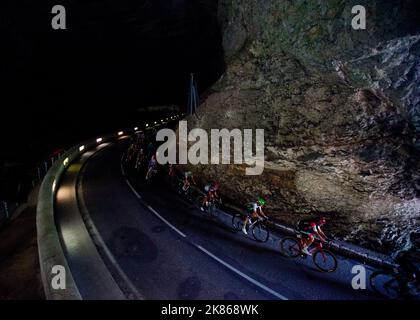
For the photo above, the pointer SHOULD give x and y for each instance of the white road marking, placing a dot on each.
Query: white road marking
(153, 210)
(243, 275)
(134, 190)
(227, 265)
(167, 222)
(122, 167)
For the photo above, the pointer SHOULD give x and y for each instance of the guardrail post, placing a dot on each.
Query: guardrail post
(46, 166)
(6, 209)
(38, 171)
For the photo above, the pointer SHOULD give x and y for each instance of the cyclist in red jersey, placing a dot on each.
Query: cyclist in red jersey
(312, 228)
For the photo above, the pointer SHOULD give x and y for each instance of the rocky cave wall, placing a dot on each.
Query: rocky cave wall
(340, 109)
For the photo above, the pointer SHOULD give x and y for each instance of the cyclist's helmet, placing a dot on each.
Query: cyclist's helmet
(215, 185)
(261, 201)
(322, 221)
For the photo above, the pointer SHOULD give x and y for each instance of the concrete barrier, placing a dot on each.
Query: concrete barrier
(50, 250)
(49, 244)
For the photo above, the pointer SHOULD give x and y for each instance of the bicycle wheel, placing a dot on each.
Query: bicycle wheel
(152, 177)
(260, 232)
(325, 260)
(200, 201)
(237, 222)
(180, 187)
(385, 284)
(290, 247)
(213, 210)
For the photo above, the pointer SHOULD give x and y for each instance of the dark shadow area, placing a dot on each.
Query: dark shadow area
(20, 277)
(63, 86)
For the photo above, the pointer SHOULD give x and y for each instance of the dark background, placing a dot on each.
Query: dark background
(61, 86)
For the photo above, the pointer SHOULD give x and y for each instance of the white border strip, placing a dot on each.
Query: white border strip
(167, 222)
(243, 275)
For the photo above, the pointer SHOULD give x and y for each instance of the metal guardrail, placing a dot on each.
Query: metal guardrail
(6, 210)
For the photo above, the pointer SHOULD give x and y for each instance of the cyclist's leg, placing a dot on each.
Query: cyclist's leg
(307, 240)
(184, 186)
(205, 200)
(246, 221)
(411, 273)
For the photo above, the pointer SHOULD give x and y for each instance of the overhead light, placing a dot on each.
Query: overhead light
(81, 148)
(99, 140)
(136, 128)
(147, 125)
(120, 133)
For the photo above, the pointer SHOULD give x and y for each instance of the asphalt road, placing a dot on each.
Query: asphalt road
(165, 249)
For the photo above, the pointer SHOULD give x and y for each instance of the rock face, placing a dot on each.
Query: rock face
(340, 109)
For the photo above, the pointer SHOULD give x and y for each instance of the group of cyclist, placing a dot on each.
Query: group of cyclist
(142, 153)
(142, 150)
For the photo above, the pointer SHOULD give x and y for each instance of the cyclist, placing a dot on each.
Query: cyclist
(140, 158)
(188, 179)
(150, 149)
(254, 210)
(152, 167)
(311, 228)
(171, 171)
(409, 261)
(210, 190)
(130, 152)
(172, 174)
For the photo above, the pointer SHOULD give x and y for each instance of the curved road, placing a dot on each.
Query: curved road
(156, 246)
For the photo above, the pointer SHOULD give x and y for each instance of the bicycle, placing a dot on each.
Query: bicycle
(257, 226)
(185, 190)
(151, 175)
(322, 258)
(211, 205)
(394, 284)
